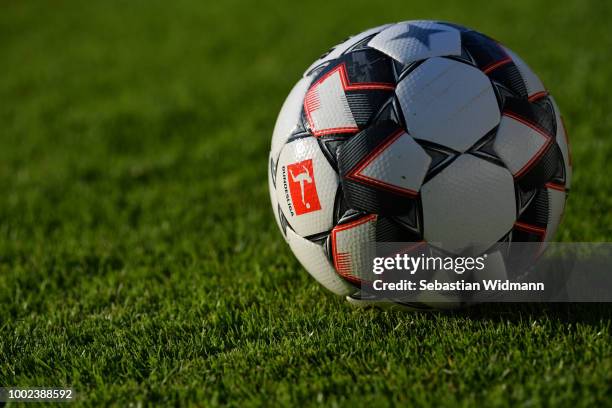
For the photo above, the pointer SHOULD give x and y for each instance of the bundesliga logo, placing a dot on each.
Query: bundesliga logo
(302, 187)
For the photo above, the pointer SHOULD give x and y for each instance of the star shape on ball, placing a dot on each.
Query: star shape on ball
(418, 33)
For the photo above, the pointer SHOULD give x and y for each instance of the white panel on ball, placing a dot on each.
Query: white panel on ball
(326, 105)
(399, 165)
(469, 203)
(345, 45)
(351, 250)
(313, 259)
(411, 41)
(532, 82)
(563, 142)
(518, 144)
(306, 187)
(448, 103)
(289, 116)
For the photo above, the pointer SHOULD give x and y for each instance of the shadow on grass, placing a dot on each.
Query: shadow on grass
(587, 313)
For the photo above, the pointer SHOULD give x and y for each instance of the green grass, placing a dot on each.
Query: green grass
(139, 259)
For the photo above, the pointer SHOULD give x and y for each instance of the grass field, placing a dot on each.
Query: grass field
(139, 258)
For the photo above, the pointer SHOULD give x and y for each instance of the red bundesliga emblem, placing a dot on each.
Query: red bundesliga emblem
(303, 188)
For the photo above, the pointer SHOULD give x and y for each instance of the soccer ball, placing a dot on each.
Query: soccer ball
(415, 131)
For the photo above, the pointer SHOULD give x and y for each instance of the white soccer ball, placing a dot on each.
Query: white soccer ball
(415, 131)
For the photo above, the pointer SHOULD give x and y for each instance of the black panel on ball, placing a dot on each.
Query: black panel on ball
(509, 76)
(365, 105)
(371, 200)
(363, 66)
(363, 196)
(534, 113)
(355, 149)
(537, 211)
(368, 65)
(484, 51)
(389, 230)
(543, 170)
